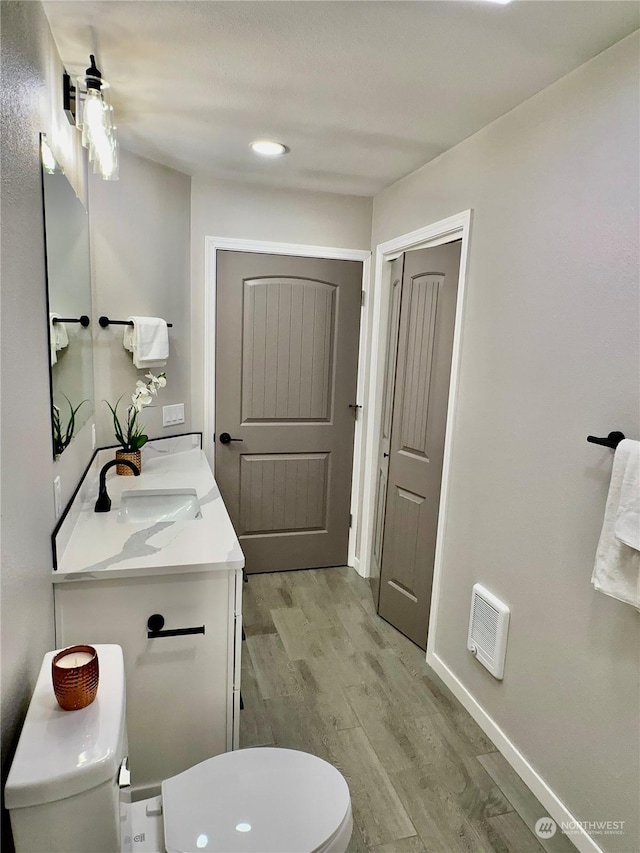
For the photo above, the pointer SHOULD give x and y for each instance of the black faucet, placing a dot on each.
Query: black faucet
(103, 504)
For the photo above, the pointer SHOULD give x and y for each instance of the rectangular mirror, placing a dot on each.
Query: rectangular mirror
(66, 225)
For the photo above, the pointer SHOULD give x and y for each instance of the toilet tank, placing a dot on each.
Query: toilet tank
(64, 791)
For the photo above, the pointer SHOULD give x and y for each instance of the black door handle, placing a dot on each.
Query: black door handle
(225, 438)
(384, 455)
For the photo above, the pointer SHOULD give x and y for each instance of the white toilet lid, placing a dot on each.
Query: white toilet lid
(262, 800)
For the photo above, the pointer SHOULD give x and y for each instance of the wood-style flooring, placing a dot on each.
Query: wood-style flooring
(322, 672)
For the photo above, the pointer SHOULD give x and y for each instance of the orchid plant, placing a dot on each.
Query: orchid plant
(132, 436)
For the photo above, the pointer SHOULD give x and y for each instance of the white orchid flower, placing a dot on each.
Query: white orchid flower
(156, 381)
(141, 398)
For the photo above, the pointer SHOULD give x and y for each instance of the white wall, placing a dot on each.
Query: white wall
(250, 212)
(140, 266)
(31, 102)
(550, 354)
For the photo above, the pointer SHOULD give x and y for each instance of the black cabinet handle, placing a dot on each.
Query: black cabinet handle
(155, 624)
(225, 438)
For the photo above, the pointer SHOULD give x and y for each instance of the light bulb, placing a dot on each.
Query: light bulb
(94, 116)
(109, 161)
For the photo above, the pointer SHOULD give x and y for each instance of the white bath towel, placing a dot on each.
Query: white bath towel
(58, 337)
(627, 527)
(617, 567)
(148, 340)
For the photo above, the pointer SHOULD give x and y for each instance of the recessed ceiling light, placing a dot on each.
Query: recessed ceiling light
(500, 2)
(268, 149)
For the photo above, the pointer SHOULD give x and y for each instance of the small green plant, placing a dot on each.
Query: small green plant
(61, 437)
(132, 436)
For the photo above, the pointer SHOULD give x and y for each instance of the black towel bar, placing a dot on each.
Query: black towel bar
(105, 321)
(612, 440)
(83, 320)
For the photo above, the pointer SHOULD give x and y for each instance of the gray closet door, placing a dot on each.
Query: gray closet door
(423, 367)
(287, 334)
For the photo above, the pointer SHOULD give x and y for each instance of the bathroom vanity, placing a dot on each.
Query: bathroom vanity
(166, 549)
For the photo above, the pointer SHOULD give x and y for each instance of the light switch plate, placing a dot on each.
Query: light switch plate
(172, 415)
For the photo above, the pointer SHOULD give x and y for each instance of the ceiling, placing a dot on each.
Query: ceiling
(362, 92)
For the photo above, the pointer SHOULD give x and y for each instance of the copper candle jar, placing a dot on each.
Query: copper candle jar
(75, 673)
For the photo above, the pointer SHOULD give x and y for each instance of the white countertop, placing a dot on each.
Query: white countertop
(101, 547)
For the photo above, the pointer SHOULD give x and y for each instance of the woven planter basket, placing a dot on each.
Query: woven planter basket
(134, 456)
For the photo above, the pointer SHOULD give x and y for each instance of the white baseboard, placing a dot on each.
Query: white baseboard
(553, 804)
(355, 564)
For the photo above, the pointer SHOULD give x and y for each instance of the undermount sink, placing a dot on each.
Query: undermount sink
(140, 506)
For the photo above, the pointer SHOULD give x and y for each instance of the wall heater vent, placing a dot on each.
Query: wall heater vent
(488, 626)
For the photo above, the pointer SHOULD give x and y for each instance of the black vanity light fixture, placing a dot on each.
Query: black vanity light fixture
(87, 105)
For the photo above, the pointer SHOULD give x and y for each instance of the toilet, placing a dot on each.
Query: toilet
(68, 790)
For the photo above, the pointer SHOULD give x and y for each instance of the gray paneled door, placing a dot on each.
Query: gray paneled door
(417, 415)
(287, 333)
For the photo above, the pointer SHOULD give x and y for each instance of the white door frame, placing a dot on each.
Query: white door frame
(456, 227)
(212, 245)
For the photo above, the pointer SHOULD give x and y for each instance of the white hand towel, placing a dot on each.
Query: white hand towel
(617, 567)
(58, 337)
(627, 527)
(52, 339)
(148, 340)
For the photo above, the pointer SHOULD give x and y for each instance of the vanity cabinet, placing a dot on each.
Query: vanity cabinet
(183, 692)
